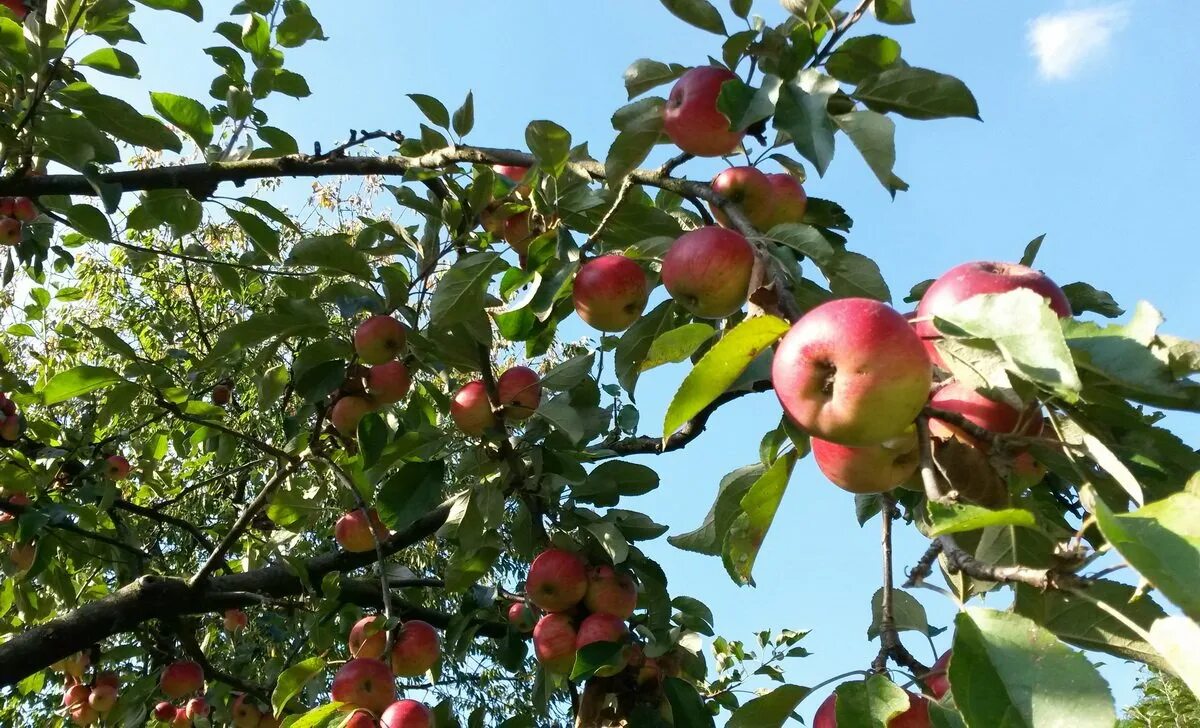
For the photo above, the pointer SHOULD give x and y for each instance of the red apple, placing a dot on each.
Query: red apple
(514, 172)
(12, 428)
(17, 499)
(826, 715)
(611, 591)
(83, 715)
(917, 715)
(22, 555)
(604, 628)
(406, 714)
(557, 580)
(17, 7)
(554, 643)
(77, 694)
(368, 637)
(180, 679)
(23, 208)
(108, 678)
(852, 371)
(708, 271)
(870, 468)
(235, 620)
(348, 412)
(389, 382)
(937, 681)
(164, 712)
(103, 698)
(521, 617)
(10, 231)
(361, 719)
(245, 713)
(380, 338)
(748, 188)
(117, 468)
(415, 649)
(610, 293)
(353, 530)
(989, 414)
(221, 394)
(518, 232)
(182, 721)
(471, 410)
(520, 390)
(973, 279)
(789, 199)
(197, 708)
(365, 683)
(691, 118)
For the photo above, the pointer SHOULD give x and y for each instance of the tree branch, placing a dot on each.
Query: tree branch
(647, 445)
(959, 560)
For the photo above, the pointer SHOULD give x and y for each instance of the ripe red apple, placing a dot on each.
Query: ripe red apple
(182, 721)
(77, 694)
(365, 683)
(17, 499)
(22, 555)
(353, 530)
(521, 617)
(917, 715)
(17, 7)
(691, 118)
(973, 279)
(611, 591)
(514, 172)
(789, 199)
(83, 715)
(852, 371)
(368, 637)
(10, 231)
(221, 394)
(826, 715)
(708, 270)
(23, 208)
(11, 428)
(388, 382)
(870, 468)
(180, 679)
(117, 468)
(604, 628)
(554, 643)
(108, 678)
(610, 293)
(989, 414)
(361, 719)
(164, 712)
(245, 713)
(197, 708)
(557, 580)
(938, 682)
(415, 649)
(750, 189)
(348, 412)
(235, 620)
(380, 338)
(406, 714)
(520, 390)
(103, 698)
(518, 232)
(471, 410)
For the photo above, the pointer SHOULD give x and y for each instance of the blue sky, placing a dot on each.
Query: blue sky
(1089, 120)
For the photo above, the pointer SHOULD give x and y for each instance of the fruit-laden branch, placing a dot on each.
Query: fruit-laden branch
(647, 445)
(153, 597)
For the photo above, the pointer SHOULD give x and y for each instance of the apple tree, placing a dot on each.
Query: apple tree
(317, 453)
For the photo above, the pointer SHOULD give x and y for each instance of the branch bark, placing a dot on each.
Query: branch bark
(693, 428)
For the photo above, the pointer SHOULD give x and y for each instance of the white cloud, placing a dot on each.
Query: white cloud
(1065, 41)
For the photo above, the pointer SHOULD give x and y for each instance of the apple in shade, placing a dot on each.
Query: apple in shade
(514, 172)
(554, 643)
(611, 591)
(938, 682)
(518, 232)
(245, 713)
(852, 371)
(17, 499)
(604, 628)
(268, 721)
(471, 410)
(10, 231)
(76, 695)
(22, 555)
(610, 293)
(353, 530)
(221, 394)
(368, 638)
(180, 679)
(116, 468)
(993, 416)
(380, 338)
(83, 715)
(521, 617)
(387, 383)
(520, 390)
(182, 721)
(789, 198)
(748, 188)
(108, 678)
(348, 412)
(164, 712)
(361, 719)
(691, 118)
(708, 270)
(17, 6)
(103, 698)
(365, 683)
(197, 708)
(557, 580)
(870, 468)
(917, 715)
(235, 620)
(22, 207)
(406, 714)
(415, 649)
(973, 279)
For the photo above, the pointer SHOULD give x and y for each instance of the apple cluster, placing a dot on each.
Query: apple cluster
(518, 389)
(86, 702)
(367, 684)
(12, 423)
(15, 212)
(513, 222)
(378, 342)
(917, 714)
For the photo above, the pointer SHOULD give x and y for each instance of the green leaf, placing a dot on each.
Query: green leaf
(1009, 671)
(550, 144)
(298, 27)
(645, 74)
(687, 708)
(869, 704)
(894, 12)
(720, 367)
(262, 236)
(906, 610)
(591, 658)
(292, 681)
(187, 114)
(566, 419)
(610, 539)
(635, 344)
(118, 118)
(89, 221)
(190, 8)
(410, 493)
(331, 252)
(433, 109)
(1031, 250)
(710, 536)
(701, 14)
(639, 126)
(464, 116)
(567, 374)
(959, 517)
(874, 135)
(318, 717)
(677, 344)
(801, 113)
(77, 382)
(759, 505)
(771, 710)
(1084, 297)
(917, 93)
(857, 58)
(460, 292)
(1177, 639)
(612, 479)
(113, 341)
(112, 61)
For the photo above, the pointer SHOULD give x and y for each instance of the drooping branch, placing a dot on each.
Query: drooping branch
(958, 559)
(647, 445)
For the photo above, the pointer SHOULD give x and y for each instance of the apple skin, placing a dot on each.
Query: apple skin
(389, 382)
(221, 394)
(471, 410)
(691, 118)
(611, 591)
(989, 414)
(77, 694)
(268, 721)
(182, 721)
(748, 188)
(521, 617)
(557, 580)
(406, 714)
(365, 683)
(18, 8)
(83, 715)
(415, 649)
(22, 555)
(103, 698)
(164, 712)
(245, 714)
(514, 172)
(22, 207)
(973, 279)
(353, 531)
(361, 719)
(852, 371)
(235, 620)
(10, 231)
(708, 270)
(368, 638)
(917, 715)
(790, 201)
(180, 679)
(108, 678)
(117, 468)
(197, 708)
(520, 390)
(603, 628)
(518, 232)
(938, 681)
(348, 412)
(610, 293)
(871, 468)
(554, 643)
(380, 338)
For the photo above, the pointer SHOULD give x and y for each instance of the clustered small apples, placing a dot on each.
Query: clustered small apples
(87, 703)
(518, 389)
(378, 341)
(184, 681)
(14, 213)
(366, 684)
(12, 423)
(766, 199)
